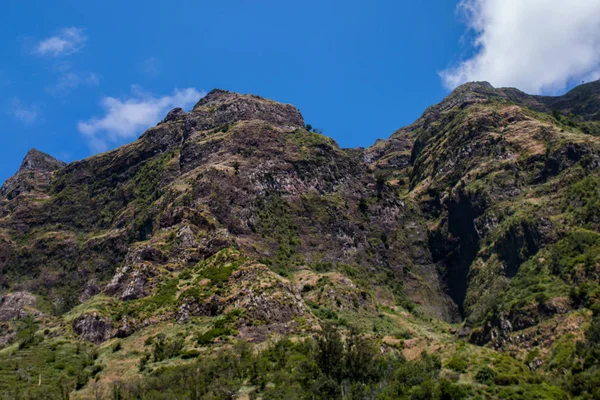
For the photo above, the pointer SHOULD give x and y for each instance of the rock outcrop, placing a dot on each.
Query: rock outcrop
(93, 327)
(34, 174)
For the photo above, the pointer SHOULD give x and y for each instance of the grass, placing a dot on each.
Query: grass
(47, 370)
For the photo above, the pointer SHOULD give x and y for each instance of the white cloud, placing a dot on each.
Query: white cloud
(539, 46)
(125, 118)
(27, 114)
(66, 42)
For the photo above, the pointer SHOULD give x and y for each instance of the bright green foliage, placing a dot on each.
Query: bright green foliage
(583, 199)
(164, 348)
(326, 368)
(457, 363)
(164, 297)
(147, 179)
(26, 332)
(49, 370)
(224, 326)
(220, 266)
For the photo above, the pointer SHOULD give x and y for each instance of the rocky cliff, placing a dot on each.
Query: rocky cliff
(234, 221)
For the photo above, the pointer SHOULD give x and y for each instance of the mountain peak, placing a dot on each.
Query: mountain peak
(221, 107)
(36, 160)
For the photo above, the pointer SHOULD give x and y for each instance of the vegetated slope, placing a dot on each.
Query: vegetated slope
(234, 223)
(510, 185)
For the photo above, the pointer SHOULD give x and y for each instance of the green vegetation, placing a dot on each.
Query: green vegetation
(164, 348)
(223, 327)
(329, 367)
(489, 198)
(48, 370)
(147, 179)
(583, 200)
(164, 297)
(276, 224)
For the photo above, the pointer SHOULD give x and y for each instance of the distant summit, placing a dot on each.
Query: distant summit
(34, 174)
(36, 160)
(221, 107)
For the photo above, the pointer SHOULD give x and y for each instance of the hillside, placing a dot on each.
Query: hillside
(472, 234)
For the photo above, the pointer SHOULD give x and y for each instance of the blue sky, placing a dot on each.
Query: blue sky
(79, 77)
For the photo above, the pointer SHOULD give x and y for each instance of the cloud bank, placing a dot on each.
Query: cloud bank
(66, 42)
(125, 118)
(539, 46)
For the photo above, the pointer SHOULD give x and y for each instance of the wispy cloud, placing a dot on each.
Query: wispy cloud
(537, 46)
(124, 118)
(70, 80)
(67, 41)
(28, 114)
(150, 67)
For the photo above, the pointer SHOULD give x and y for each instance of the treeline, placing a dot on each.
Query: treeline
(332, 366)
(327, 367)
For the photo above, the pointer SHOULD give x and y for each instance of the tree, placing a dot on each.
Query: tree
(360, 357)
(330, 352)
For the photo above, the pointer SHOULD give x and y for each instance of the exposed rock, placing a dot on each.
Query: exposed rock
(191, 306)
(126, 327)
(35, 160)
(447, 213)
(92, 288)
(186, 238)
(220, 107)
(175, 114)
(35, 173)
(93, 327)
(17, 305)
(264, 296)
(129, 282)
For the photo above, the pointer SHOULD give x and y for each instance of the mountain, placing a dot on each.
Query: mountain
(509, 183)
(473, 233)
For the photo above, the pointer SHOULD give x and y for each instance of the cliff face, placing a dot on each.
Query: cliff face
(236, 219)
(506, 180)
(236, 174)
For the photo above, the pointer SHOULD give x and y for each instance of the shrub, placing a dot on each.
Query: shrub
(164, 348)
(26, 334)
(451, 391)
(190, 354)
(458, 364)
(485, 375)
(116, 346)
(209, 336)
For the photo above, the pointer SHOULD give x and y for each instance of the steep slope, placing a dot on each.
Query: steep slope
(154, 263)
(238, 178)
(509, 184)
